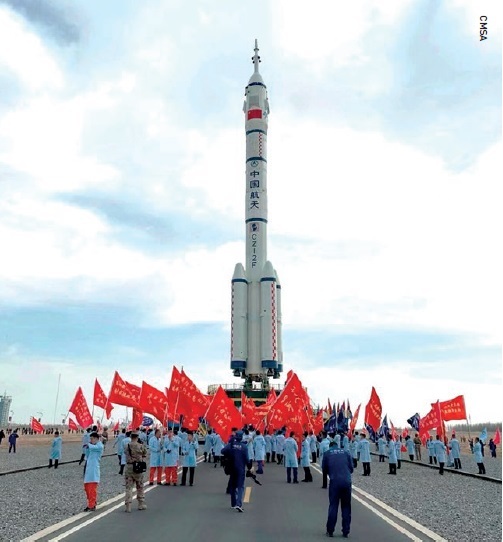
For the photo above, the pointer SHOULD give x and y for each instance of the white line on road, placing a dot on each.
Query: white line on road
(62, 524)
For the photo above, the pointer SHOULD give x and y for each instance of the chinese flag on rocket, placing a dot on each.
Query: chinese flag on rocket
(81, 410)
(223, 415)
(373, 410)
(36, 425)
(122, 394)
(101, 400)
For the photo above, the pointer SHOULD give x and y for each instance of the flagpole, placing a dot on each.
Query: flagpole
(57, 397)
(468, 426)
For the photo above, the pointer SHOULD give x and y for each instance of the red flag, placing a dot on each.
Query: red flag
(405, 432)
(137, 418)
(81, 410)
(354, 420)
(174, 392)
(191, 401)
(153, 401)
(122, 394)
(373, 410)
(318, 422)
(101, 400)
(223, 414)
(432, 420)
(254, 114)
(72, 425)
(454, 409)
(116, 426)
(36, 425)
(394, 434)
(135, 391)
(271, 397)
(497, 437)
(289, 408)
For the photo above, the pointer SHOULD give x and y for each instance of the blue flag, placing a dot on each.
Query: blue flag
(147, 420)
(413, 421)
(331, 424)
(342, 421)
(371, 432)
(383, 431)
(483, 435)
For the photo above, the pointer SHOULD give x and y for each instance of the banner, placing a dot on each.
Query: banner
(36, 425)
(173, 392)
(373, 410)
(72, 425)
(354, 420)
(153, 401)
(454, 409)
(497, 437)
(80, 409)
(223, 415)
(414, 421)
(433, 419)
(101, 400)
(121, 393)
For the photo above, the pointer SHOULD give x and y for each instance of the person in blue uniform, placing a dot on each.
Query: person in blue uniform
(439, 449)
(155, 447)
(455, 451)
(477, 453)
(217, 448)
(259, 451)
(409, 444)
(364, 451)
(170, 452)
(94, 451)
(392, 459)
(189, 458)
(280, 443)
(268, 446)
(339, 465)
(430, 446)
(313, 446)
(85, 442)
(208, 446)
(56, 446)
(305, 457)
(290, 450)
(120, 446)
(398, 449)
(236, 461)
(381, 446)
(324, 446)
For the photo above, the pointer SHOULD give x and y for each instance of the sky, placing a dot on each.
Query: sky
(122, 157)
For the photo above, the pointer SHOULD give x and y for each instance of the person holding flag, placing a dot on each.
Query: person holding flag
(94, 451)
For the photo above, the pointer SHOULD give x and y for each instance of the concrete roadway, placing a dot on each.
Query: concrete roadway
(275, 511)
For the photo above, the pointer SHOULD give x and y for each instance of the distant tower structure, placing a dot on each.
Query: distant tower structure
(5, 402)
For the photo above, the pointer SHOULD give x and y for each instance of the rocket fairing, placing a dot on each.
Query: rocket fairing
(256, 292)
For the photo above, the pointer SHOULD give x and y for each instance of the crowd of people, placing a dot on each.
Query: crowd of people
(160, 452)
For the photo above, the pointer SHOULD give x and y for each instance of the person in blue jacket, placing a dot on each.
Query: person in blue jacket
(324, 446)
(155, 448)
(455, 451)
(305, 459)
(392, 459)
(56, 446)
(439, 449)
(259, 451)
(409, 444)
(381, 446)
(268, 446)
(236, 461)
(477, 453)
(93, 453)
(290, 449)
(364, 451)
(189, 458)
(339, 465)
(208, 446)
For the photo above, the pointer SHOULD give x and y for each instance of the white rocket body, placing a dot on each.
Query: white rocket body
(256, 311)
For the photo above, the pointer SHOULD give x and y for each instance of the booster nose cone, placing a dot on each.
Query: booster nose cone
(239, 273)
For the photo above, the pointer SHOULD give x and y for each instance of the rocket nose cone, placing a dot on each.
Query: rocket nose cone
(277, 277)
(268, 270)
(239, 272)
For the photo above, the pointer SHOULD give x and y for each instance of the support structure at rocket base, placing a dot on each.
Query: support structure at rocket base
(256, 346)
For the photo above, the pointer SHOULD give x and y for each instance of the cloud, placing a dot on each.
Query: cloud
(59, 20)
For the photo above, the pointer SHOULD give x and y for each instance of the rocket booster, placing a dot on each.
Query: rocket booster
(256, 311)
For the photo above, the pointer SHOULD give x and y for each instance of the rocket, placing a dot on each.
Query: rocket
(256, 347)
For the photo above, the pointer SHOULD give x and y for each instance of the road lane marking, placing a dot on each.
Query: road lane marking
(412, 523)
(62, 524)
(247, 494)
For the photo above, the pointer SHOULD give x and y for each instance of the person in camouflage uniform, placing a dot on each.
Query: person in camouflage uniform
(135, 451)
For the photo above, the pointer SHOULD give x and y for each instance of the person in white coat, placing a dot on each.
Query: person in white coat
(259, 451)
(154, 446)
(56, 446)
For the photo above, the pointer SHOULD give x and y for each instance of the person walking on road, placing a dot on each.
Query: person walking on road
(305, 457)
(134, 451)
(189, 459)
(12, 441)
(455, 451)
(339, 465)
(477, 453)
(439, 449)
(235, 456)
(155, 447)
